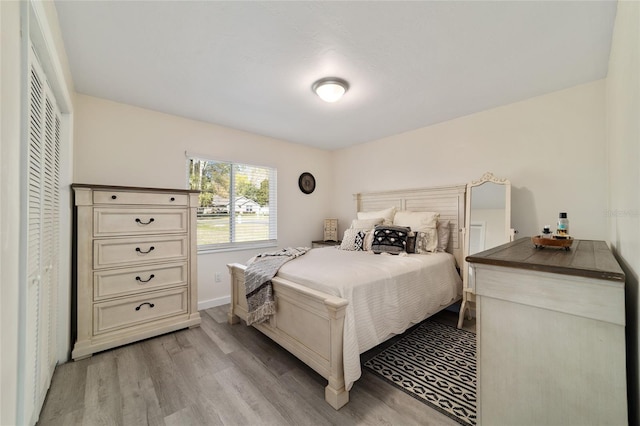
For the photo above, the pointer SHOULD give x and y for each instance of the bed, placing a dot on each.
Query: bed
(327, 316)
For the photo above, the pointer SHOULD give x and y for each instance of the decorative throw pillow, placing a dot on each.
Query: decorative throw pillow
(386, 214)
(390, 239)
(349, 239)
(444, 231)
(368, 240)
(424, 225)
(426, 241)
(411, 242)
(359, 241)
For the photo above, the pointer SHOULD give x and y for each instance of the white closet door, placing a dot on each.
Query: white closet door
(43, 219)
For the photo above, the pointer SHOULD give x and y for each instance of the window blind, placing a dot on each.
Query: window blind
(238, 203)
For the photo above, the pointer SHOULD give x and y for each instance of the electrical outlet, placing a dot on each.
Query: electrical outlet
(217, 277)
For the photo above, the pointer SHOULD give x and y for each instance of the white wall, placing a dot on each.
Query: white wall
(623, 142)
(550, 147)
(118, 144)
(125, 145)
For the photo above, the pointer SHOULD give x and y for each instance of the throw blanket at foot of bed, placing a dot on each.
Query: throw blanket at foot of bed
(259, 290)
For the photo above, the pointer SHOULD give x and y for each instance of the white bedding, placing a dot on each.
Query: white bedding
(387, 294)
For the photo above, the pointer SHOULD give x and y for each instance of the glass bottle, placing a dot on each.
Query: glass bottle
(563, 225)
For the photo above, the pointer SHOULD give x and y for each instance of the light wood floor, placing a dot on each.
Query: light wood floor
(218, 374)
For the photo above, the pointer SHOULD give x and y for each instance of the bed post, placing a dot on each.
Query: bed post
(335, 393)
(237, 273)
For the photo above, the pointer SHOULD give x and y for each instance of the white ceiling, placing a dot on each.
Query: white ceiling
(250, 65)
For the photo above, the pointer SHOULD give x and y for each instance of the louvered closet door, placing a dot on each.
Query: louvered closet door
(43, 215)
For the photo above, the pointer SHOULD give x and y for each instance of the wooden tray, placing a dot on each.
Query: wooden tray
(541, 242)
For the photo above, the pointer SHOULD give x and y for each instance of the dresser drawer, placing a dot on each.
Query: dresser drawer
(123, 282)
(131, 251)
(130, 311)
(139, 198)
(116, 222)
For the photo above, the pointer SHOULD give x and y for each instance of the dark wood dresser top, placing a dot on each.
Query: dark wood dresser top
(131, 188)
(586, 258)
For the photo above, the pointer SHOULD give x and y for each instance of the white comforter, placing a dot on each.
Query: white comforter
(387, 294)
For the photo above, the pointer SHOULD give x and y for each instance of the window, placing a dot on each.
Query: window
(238, 205)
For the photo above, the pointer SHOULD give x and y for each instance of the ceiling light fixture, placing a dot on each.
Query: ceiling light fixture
(330, 89)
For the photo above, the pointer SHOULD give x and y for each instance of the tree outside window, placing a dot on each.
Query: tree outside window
(237, 206)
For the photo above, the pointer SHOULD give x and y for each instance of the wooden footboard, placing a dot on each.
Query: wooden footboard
(307, 323)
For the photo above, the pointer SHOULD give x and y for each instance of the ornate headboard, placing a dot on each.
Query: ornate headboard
(449, 201)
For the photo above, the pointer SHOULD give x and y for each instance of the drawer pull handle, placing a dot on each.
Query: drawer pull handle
(151, 305)
(172, 199)
(145, 281)
(144, 223)
(145, 252)
(113, 197)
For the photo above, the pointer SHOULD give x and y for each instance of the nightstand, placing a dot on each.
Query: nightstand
(322, 243)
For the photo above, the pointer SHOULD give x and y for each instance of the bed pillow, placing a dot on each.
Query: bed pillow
(386, 214)
(444, 231)
(416, 220)
(390, 239)
(424, 225)
(366, 223)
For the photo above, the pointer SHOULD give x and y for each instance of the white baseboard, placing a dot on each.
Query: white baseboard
(212, 303)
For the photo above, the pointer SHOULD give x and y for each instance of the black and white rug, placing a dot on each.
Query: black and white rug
(435, 363)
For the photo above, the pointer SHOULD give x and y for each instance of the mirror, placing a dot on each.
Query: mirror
(487, 225)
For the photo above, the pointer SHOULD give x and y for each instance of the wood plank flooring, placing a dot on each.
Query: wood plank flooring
(218, 374)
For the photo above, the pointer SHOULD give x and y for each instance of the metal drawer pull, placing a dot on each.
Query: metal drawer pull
(145, 252)
(172, 199)
(145, 281)
(151, 305)
(144, 223)
(113, 197)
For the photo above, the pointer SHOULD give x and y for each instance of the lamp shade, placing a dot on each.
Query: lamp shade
(330, 89)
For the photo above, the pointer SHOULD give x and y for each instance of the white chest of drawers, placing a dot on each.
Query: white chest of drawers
(135, 265)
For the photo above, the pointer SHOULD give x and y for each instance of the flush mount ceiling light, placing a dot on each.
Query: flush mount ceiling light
(330, 89)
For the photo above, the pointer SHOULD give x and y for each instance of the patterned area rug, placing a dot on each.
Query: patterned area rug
(436, 364)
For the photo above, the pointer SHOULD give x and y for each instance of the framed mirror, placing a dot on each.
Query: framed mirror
(487, 225)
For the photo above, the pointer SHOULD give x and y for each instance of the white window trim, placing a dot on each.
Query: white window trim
(273, 221)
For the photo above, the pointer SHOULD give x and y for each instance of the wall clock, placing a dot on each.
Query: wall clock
(307, 183)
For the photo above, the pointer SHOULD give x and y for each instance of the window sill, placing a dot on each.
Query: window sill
(237, 247)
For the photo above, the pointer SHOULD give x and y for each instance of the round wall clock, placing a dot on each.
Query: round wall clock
(307, 183)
